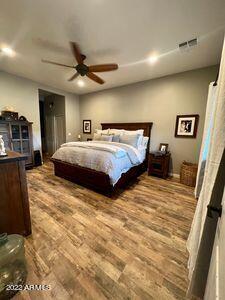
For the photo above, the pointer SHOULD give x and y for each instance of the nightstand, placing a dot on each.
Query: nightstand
(159, 164)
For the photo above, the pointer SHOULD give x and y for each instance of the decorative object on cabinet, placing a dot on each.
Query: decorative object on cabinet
(163, 147)
(158, 164)
(86, 126)
(186, 126)
(9, 108)
(22, 118)
(2, 147)
(13, 271)
(14, 204)
(188, 173)
(10, 116)
(17, 136)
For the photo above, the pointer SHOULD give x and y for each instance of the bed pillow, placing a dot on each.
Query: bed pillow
(106, 138)
(116, 138)
(130, 139)
(145, 141)
(139, 131)
(100, 131)
(116, 131)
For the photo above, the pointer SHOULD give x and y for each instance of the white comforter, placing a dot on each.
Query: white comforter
(110, 158)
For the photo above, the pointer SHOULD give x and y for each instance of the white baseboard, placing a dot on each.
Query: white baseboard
(175, 175)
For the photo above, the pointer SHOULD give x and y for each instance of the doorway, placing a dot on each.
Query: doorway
(52, 121)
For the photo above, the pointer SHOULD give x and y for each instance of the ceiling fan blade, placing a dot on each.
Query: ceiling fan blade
(103, 68)
(74, 77)
(76, 52)
(94, 77)
(55, 63)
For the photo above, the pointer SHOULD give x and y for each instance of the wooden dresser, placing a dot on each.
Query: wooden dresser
(14, 202)
(17, 136)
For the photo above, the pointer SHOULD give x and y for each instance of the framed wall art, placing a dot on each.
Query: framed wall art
(186, 126)
(86, 126)
(163, 147)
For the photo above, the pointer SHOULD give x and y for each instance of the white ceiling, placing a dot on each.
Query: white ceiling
(121, 31)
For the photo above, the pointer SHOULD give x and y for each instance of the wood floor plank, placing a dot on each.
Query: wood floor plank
(87, 246)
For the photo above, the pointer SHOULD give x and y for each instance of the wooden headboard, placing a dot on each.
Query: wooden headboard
(147, 126)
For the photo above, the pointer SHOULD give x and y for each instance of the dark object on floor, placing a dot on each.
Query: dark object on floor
(14, 204)
(158, 164)
(13, 271)
(37, 158)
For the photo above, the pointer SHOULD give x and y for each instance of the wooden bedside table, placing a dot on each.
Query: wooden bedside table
(159, 165)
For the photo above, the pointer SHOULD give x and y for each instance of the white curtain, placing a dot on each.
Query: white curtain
(216, 147)
(209, 118)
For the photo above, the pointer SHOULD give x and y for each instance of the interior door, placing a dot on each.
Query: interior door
(215, 288)
(50, 141)
(55, 132)
(59, 128)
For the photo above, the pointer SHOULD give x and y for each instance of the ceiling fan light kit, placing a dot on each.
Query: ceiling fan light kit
(82, 69)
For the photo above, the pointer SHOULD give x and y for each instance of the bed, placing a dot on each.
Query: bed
(98, 180)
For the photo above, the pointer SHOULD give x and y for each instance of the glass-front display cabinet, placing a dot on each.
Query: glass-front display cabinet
(17, 136)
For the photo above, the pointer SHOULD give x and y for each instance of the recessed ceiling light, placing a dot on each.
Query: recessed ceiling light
(7, 51)
(80, 83)
(153, 59)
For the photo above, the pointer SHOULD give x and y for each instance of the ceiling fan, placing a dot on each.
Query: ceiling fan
(83, 69)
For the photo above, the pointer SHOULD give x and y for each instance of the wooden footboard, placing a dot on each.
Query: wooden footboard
(95, 180)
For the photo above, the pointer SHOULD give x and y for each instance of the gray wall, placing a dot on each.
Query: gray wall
(158, 101)
(22, 94)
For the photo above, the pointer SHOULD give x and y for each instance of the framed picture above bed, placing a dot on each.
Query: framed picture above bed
(186, 126)
(86, 126)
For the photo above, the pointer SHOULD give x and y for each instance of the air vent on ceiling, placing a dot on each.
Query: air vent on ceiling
(187, 45)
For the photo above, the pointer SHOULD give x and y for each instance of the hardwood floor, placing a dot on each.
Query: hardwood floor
(87, 246)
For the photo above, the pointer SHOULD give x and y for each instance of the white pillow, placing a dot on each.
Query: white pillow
(100, 131)
(116, 138)
(140, 132)
(106, 138)
(145, 141)
(130, 139)
(132, 132)
(116, 131)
